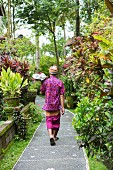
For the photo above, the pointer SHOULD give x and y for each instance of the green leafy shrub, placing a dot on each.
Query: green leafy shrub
(92, 59)
(35, 113)
(11, 83)
(34, 85)
(68, 83)
(93, 120)
(20, 47)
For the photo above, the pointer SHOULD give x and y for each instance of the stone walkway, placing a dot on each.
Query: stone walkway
(65, 155)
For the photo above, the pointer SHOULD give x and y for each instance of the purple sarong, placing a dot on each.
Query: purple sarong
(53, 122)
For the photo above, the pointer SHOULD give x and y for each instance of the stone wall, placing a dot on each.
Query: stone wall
(9, 129)
(7, 132)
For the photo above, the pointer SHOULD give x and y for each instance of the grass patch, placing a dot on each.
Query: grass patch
(94, 164)
(2, 122)
(16, 149)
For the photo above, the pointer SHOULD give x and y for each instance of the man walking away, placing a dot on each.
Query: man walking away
(54, 103)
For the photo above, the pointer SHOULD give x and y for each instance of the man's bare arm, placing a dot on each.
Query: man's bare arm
(62, 104)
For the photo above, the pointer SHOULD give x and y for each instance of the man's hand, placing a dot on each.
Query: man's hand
(62, 111)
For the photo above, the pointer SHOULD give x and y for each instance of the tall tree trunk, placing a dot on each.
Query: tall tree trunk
(13, 23)
(9, 20)
(77, 18)
(56, 52)
(37, 52)
(109, 5)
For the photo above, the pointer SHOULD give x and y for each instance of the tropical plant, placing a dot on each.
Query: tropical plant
(90, 65)
(11, 83)
(83, 67)
(35, 113)
(14, 64)
(91, 69)
(93, 121)
(34, 85)
(68, 83)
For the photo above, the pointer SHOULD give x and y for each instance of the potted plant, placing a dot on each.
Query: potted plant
(11, 84)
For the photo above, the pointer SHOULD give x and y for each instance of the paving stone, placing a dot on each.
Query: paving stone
(65, 155)
(57, 164)
(44, 141)
(55, 152)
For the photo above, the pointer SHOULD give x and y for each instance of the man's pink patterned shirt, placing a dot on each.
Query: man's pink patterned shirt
(53, 88)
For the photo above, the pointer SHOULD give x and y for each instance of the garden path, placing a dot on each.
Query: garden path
(65, 155)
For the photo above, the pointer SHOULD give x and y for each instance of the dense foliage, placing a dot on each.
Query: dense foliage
(90, 66)
(87, 73)
(91, 69)
(15, 65)
(93, 121)
(11, 83)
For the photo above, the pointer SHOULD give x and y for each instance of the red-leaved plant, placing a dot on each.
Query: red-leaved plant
(14, 64)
